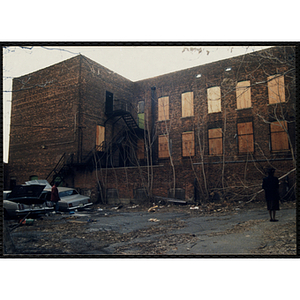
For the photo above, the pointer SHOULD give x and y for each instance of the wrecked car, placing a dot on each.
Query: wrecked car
(25, 200)
(70, 199)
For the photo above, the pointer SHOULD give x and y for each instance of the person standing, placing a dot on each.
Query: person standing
(55, 196)
(271, 187)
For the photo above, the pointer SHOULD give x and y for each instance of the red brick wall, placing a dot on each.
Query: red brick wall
(82, 87)
(43, 119)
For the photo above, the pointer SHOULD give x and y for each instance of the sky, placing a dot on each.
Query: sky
(134, 63)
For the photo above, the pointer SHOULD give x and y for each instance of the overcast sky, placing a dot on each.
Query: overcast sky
(134, 63)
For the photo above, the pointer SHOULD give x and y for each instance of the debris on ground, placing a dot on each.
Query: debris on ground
(118, 207)
(153, 208)
(280, 239)
(134, 206)
(153, 220)
(26, 221)
(80, 234)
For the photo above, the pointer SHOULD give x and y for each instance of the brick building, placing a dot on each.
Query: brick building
(198, 134)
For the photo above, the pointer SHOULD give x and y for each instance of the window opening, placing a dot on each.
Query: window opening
(100, 136)
(163, 149)
(243, 94)
(215, 141)
(279, 136)
(276, 89)
(214, 99)
(163, 108)
(187, 100)
(188, 144)
(245, 137)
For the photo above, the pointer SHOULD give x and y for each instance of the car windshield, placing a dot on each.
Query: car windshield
(67, 193)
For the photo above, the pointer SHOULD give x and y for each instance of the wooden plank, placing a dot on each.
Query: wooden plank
(245, 128)
(243, 94)
(214, 133)
(279, 137)
(163, 149)
(279, 141)
(100, 135)
(163, 108)
(215, 146)
(214, 99)
(246, 143)
(187, 100)
(188, 144)
(276, 89)
(278, 126)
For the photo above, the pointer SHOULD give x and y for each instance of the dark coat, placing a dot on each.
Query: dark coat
(271, 187)
(54, 194)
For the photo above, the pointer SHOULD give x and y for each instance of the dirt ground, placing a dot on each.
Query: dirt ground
(166, 229)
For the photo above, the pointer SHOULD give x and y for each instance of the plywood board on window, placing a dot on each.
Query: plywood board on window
(243, 94)
(278, 126)
(279, 136)
(100, 135)
(163, 108)
(246, 143)
(214, 99)
(187, 100)
(279, 141)
(215, 133)
(276, 89)
(215, 146)
(188, 144)
(245, 128)
(163, 149)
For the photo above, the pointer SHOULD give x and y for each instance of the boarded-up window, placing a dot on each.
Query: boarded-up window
(100, 135)
(214, 99)
(188, 144)
(245, 137)
(163, 149)
(215, 141)
(279, 137)
(163, 108)
(187, 100)
(140, 149)
(243, 94)
(276, 89)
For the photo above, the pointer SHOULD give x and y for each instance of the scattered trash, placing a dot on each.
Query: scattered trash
(134, 206)
(27, 222)
(153, 220)
(152, 209)
(118, 207)
(72, 212)
(194, 207)
(91, 220)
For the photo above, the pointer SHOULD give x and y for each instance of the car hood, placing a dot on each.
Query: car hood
(27, 194)
(74, 198)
